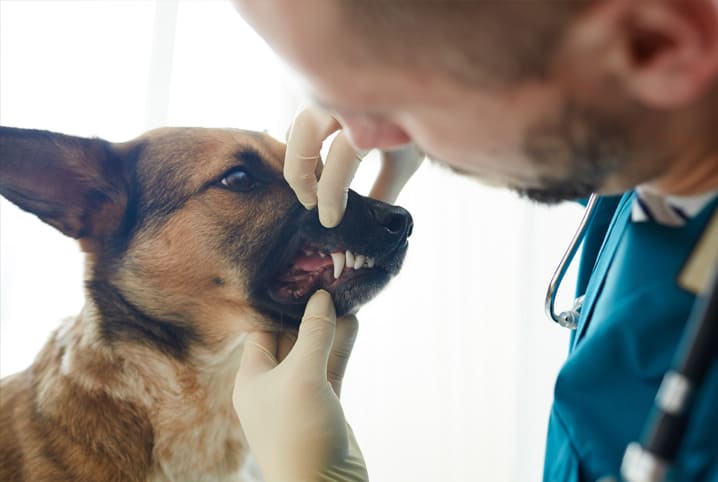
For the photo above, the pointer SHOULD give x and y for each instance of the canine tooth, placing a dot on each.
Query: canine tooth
(370, 262)
(339, 260)
(350, 259)
(359, 261)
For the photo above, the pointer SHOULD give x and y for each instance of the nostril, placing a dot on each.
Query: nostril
(395, 224)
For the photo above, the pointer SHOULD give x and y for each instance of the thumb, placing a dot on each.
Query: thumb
(259, 354)
(316, 335)
(343, 343)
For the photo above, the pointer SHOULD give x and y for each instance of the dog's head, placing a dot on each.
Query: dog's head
(193, 233)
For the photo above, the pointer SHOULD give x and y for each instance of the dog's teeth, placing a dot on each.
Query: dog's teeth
(359, 261)
(322, 254)
(370, 262)
(350, 259)
(339, 260)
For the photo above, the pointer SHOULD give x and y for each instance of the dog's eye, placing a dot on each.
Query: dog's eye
(239, 180)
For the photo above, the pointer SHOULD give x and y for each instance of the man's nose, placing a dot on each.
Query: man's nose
(366, 133)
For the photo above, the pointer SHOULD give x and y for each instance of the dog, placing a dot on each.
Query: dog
(191, 239)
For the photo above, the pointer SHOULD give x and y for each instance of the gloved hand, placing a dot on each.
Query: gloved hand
(329, 194)
(287, 397)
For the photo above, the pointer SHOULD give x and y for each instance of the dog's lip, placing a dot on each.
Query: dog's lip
(344, 282)
(385, 265)
(317, 264)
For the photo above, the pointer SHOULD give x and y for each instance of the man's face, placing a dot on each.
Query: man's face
(529, 136)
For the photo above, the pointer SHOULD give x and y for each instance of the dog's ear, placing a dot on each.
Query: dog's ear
(75, 184)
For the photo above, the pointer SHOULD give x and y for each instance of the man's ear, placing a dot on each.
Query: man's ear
(663, 53)
(77, 185)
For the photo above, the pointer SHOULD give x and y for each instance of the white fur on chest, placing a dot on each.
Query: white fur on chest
(198, 436)
(248, 473)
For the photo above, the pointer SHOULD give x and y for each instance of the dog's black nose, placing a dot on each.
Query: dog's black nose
(395, 220)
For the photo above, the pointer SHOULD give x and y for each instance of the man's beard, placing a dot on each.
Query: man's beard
(576, 185)
(584, 149)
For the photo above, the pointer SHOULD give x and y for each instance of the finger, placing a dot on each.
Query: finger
(259, 353)
(346, 334)
(397, 167)
(316, 335)
(304, 143)
(339, 169)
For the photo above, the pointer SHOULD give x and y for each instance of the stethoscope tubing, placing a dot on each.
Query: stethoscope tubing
(569, 319)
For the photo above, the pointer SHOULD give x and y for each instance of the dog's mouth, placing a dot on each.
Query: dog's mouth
(350, 276)
(317, 266)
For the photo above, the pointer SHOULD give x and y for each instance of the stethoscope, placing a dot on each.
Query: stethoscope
(649, 460)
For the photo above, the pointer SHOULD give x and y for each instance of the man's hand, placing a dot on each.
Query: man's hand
(287, 397)
(329, 193)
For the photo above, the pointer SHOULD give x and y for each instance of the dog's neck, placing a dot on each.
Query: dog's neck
(120, 320)
(185, 400)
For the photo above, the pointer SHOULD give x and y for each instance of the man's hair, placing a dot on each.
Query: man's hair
(477, 41)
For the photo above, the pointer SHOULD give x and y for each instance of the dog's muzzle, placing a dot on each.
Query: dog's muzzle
(352, 261)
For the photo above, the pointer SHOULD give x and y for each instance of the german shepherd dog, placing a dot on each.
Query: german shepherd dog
(191, 237)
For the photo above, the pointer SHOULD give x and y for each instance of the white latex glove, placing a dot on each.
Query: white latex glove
(287, 397)
(329, 193)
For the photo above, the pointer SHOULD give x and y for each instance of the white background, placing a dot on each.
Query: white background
(452, 375)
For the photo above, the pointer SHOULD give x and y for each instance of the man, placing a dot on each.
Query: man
(555, 100)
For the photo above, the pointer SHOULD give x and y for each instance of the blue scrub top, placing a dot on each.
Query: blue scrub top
(633, 317)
